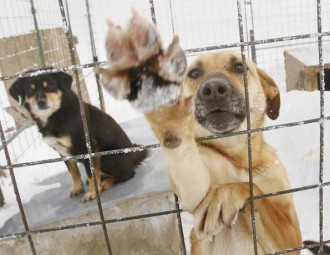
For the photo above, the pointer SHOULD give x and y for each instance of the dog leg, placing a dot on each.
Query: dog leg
(107, 183)
(155, 89)
(221, 208)
(76, 178)
(91, 194)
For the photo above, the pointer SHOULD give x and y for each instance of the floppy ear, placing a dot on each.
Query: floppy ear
(16, 90)
(272, 94)
(63, 79)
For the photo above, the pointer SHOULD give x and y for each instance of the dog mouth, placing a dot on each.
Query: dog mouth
(43, 107)
(221, 119)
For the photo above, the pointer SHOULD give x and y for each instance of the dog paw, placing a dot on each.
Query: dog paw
(89, 196)
(140, 70)
(77, 189)
(220, 208)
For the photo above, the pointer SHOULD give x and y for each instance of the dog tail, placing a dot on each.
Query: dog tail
(140, 156)
(314, 250)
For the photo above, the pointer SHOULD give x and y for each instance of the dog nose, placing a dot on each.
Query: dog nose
(41, 100)
(42, 103)
(215, 89)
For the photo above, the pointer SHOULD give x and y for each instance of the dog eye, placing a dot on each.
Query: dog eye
(239, 67)
(195, 73)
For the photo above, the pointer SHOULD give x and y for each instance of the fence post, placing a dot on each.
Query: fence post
(253, 47)
(95, 58)
(38, 37)
(2, 200)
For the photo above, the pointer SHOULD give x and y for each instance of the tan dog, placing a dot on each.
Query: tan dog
(210, 177)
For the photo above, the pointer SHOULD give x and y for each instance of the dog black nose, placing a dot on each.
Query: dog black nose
(215, 89)
(42, 103)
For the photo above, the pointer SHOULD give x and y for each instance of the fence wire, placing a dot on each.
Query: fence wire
(243, 45)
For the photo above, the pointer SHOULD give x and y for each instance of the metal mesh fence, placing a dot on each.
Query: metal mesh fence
(256, 36)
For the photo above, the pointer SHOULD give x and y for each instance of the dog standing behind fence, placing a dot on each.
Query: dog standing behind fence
(210, 177)
(55, 109)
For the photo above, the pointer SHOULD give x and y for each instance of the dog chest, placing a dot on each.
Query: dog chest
(61, 144)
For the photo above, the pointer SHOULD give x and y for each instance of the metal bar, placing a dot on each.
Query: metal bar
(89, 224)
(2, 199)
(253, 47)
(249, 138)
(296, 249)
(187, 51)
(322, 87)
(178, 216)
(18, 198)
(38, 37)
(95, 58)
(67, 15)
(172, 22)
(142, 216)
(18, 131)
(153, 146)
(85, 124)
(153, 13)
(257, 42)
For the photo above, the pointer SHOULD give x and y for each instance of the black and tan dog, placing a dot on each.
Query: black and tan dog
(55, 109)
(210, 177)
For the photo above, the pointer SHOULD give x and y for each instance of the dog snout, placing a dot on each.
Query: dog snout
(41, 101)
(215, 89)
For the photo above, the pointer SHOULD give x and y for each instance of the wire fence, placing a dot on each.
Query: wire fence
(251, 22)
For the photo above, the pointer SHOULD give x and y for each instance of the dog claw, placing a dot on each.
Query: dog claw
(144, 37)
(89, 196)
(173, 64)
(119, 52)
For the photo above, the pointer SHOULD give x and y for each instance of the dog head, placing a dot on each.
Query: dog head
(41, 95)
(217, 79)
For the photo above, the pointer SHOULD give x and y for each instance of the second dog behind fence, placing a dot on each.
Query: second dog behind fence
(55, 109)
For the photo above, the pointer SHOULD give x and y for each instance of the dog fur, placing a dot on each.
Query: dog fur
(211, 177)
(55, 109)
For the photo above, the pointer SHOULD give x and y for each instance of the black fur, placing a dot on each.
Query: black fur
(105, 133)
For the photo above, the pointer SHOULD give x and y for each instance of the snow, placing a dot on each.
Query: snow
(28, 178)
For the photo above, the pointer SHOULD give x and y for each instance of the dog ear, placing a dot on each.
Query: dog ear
(16, 90)
(272, 94)
(63, 80)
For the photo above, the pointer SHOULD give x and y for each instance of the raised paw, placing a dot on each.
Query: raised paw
(118, 47)
(140, 70)
(144, 37)
(220, 208)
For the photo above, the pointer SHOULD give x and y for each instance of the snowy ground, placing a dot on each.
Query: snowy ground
(298, 148)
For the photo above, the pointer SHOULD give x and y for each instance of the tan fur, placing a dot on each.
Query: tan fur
(211, 177)
(75, 174)
(91, 193)
(54, 101)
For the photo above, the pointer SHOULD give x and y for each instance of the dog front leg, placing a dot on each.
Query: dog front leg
(151, 80)
(76, 178)
(91, 193)
(276, 222)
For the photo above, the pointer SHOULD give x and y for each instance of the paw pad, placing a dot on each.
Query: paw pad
(139, 69)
